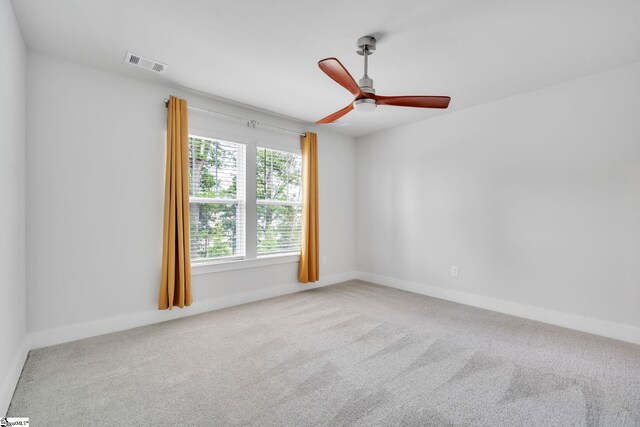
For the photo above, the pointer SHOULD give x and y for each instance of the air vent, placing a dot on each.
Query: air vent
(147, 64)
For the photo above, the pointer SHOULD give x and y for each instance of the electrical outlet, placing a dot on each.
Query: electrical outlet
(324, 260)
(455, 271)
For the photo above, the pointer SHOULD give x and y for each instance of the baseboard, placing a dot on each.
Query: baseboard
(12, 377)
(113, 324)
(571, 321)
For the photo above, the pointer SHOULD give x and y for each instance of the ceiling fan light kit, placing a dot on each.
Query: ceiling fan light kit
(365, 105)
(365, 98)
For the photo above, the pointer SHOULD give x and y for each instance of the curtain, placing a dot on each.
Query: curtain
(175, 282)
(309, 245)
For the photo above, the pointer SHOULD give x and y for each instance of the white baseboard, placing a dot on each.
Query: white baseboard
(579, 323)
(12, 376)
(113, 324)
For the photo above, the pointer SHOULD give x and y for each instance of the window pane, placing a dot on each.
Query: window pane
(216, 198)
(216, 230)
(278, 175)
(279, 214)
(213, 168)
(279, 228)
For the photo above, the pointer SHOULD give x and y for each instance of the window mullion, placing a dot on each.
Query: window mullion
(251, 195)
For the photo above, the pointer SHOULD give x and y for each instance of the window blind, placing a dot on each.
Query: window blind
(216, 199)
(279, 207)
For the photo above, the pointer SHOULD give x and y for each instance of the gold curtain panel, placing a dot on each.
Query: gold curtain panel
(309, 247)
(175, 282)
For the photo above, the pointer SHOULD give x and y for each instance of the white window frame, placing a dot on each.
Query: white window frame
(251, 258)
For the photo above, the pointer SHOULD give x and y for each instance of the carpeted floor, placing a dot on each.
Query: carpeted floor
(348, 354)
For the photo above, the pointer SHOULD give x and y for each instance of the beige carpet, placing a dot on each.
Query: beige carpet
(348, 354)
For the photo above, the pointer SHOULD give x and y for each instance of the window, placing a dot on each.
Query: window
(216, 199)
(223, 214)
(278, 204)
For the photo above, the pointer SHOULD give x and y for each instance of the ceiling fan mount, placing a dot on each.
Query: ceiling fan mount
(365, 98)
(366, 44)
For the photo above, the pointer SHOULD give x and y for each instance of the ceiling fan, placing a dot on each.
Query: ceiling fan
(366, 99)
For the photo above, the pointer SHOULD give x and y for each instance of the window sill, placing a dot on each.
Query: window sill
(214, 267)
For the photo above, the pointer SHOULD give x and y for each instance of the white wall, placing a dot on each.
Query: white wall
(95, 197)
(536, 198)
(12, 205)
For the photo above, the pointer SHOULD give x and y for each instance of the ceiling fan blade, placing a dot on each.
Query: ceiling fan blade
(335, 116)
(334, 69)
(414, 101)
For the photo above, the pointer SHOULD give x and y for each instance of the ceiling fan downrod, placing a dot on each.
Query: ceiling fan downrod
(366, 47)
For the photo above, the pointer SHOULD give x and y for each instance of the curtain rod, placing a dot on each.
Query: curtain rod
(250, 123)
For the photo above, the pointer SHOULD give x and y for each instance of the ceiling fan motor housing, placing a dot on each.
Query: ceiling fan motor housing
(366, 84)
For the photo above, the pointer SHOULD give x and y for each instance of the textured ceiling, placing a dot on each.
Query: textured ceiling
(264, 53)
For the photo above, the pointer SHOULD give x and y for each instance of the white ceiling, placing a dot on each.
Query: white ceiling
(264, 53)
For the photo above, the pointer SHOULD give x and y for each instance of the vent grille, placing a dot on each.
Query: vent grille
(147, 64)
